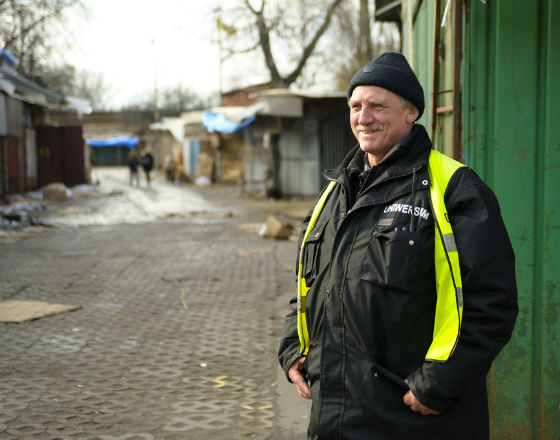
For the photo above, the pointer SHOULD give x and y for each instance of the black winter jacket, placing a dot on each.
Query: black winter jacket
(370, 307)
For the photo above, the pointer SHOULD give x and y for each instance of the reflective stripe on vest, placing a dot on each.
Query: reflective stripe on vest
(301, 285)
(449, 305)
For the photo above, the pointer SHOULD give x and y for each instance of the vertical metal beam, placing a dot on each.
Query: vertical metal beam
(457, 59)
(435, 69)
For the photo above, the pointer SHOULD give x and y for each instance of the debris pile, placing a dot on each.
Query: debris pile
(278, 227)
(22, 211)
(19, 213)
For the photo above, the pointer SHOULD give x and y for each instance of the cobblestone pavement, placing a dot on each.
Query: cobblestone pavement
(177, 332)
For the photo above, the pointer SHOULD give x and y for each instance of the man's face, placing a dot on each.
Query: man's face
(378, 120)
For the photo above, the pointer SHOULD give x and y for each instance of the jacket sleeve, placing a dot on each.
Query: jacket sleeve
(490, 309)
(289, 349)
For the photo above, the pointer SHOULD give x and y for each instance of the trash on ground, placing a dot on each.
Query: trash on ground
(220, 381)
(202, 181)
(18, 214)
(85, 191)
(56, 192)
(28, 310)
(277, 227)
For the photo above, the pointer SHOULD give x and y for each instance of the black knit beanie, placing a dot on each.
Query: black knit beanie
(391, 71)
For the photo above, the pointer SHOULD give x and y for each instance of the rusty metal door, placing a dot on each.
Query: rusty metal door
(49, 155)
(11, 167)
(73, 150)
(60, 155)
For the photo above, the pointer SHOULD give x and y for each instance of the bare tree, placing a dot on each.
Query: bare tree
(354, 45)
(24, 29)
(285, 32)
(93, 87)
(171, 101)
(174, 100)
(365, 47)
(78, 83)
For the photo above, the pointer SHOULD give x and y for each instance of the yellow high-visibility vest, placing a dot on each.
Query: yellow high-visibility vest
(449, 304)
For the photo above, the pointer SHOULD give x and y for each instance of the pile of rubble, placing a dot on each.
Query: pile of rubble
(20, 211)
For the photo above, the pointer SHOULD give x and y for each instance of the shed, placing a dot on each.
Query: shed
(112, 151)
(297, 135)
(25, 161)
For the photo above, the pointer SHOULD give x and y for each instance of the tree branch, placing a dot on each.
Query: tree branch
(308, 50)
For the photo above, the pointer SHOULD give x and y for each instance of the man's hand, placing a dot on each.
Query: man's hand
(412, 402)
(294, 373)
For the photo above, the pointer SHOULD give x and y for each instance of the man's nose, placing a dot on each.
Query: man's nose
(365, 117)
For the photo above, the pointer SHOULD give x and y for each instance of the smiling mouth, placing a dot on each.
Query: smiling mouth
(369, 129)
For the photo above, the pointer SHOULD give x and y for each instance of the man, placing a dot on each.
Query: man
(133, 167)
(406, 280)
(147, 164)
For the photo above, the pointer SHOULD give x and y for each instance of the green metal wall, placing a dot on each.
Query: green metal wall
(423, 50)
(111, 156)
(423, 65)
(511, 137)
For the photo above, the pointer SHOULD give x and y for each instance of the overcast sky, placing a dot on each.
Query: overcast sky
(129, 40)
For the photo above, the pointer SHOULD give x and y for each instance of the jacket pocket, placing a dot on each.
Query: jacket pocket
(310, 258)
(391, 259)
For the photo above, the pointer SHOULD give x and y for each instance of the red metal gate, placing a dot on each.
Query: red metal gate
(11, 166)
(60, 155)
(74, 167)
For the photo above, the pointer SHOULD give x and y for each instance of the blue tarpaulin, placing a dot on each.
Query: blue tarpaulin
(217, 122)
(120, 141)
(8, 57)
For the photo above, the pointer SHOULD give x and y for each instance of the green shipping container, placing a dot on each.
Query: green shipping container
(506, 120)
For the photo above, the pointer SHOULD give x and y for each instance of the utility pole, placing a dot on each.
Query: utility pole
(156, 109)
(219, 25)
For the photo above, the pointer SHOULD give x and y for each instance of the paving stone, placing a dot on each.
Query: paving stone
(176, 337)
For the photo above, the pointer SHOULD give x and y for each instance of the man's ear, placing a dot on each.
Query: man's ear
(412, 114)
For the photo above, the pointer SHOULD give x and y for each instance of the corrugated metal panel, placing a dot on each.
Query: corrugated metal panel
(31, 159)
(15, 114)
(299, 152)
(311, 144)
(510, 92)
(254, 160)
(512, 67)
(335, 134)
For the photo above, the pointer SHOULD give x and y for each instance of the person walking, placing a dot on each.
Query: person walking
(406, 280)
(147, 164)
(169, 168)
(133, 163)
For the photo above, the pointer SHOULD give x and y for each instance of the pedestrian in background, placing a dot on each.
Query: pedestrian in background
(147, 164)
(133, 163)
(406, 280)
(169, 168)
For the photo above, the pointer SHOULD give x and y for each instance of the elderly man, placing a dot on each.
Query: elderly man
(406, 280)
